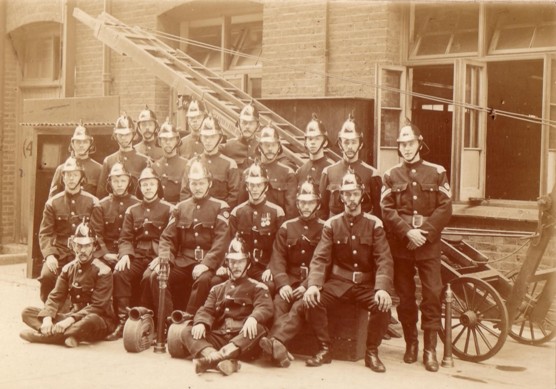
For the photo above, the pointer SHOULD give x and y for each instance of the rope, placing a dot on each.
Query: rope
(490, 111)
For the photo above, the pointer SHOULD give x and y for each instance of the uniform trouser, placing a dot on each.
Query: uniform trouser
(182, 292)
(127, 281)
(431, 290)
(378, 321)
(287, 326)
(218, 340)
(91, 328)
(48, 279)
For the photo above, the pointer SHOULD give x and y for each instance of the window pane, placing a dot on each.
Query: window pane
(203, 36)
(390, 120)
(438, 25)
(519, 37)
(545, 36)
(247, 39)
(391, 80)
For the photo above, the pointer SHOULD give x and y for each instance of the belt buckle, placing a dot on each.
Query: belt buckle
(417, 221)
(199, 255)
(303, 272)
(257, 254)
(356, 277)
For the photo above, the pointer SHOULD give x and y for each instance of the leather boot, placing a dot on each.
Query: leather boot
(276, 351)
(122, 304)
(207, 360)
(323, 356)
(429, 352)
(411, 343)
(373, 362)
(228, 365)
(33, 336)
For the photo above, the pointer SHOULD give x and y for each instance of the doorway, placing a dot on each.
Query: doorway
(513, 146)
(434, 118)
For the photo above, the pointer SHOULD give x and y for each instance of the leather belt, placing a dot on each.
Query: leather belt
(416, 221)
(356, 277)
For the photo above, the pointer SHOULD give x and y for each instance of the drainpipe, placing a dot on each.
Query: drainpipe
(106, 76)
(2, 59)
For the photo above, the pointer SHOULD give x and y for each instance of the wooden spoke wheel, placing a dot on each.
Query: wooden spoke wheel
(479, 319)
(526, 327)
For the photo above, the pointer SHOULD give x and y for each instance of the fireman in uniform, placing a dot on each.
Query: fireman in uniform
(87, 283)
(194, 242)
(107, 216)
(293, 249)
(282, 182)
(191, 143)
(416, 205)
(171, 166)
(350, 142)
(147, 127)
(257, 221)
(243, 149)
(223, 170)
(81, 146)
(233, 318)
(62, 213)
(352, 262)
(138, 245)
(316, 142)
(133, 161)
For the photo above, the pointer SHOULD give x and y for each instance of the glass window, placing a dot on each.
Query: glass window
(247, 39)
(445, 29)
(207, 45)
(519, 26)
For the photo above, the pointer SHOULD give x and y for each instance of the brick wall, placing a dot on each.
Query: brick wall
(345, 39)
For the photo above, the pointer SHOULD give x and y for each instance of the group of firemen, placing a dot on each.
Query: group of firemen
(255, 248)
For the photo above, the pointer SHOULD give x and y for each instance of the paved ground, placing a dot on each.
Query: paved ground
(107, 365)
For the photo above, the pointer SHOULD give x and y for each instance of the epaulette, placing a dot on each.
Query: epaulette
(392, 168)
(220, 202)
(328, 223)
(258, 284)
(439, 168)
(378, 222)
(234, 211)
(373, 169)
(170, 205)
(289, 169)
(87, 194)
(103, 269)
(68, 265)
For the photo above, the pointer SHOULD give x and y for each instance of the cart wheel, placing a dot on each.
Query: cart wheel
(479, 319)
(175, 345)
(138, 334)
(526, 330)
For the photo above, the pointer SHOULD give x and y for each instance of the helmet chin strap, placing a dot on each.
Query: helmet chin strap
(414, 155)
(209, 152)
(243, 273)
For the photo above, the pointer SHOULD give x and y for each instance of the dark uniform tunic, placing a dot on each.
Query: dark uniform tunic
(417, 194)
(150, 149)
(332, 179)
(282, 187)
(350, 263)
(241, 150)
(257, 224)
(90, 183)
(293, 249)
(62, 213)
(197, 233)
(225, 178)
(191, 146)
(171, 170)
(133, 162)
(224, 313)
(107, 219)
(143, 225)
(89, 288)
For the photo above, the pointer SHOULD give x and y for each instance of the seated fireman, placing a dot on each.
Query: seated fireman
(87, 283)
(233, 318)
(194, 242)
(138, 246)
